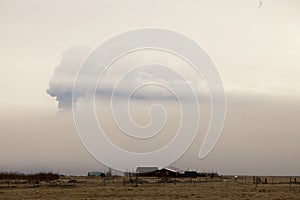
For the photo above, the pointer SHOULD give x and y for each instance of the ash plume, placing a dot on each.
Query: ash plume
(61, 83)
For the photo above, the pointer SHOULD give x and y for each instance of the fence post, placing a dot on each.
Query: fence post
(136, 180)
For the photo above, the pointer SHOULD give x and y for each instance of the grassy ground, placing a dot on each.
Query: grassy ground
(151, 188)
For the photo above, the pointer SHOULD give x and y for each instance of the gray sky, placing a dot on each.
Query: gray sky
(255, 50)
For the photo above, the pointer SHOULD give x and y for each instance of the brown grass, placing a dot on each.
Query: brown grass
(152, 188)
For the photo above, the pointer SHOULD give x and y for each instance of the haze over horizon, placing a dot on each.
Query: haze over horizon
(255, 49)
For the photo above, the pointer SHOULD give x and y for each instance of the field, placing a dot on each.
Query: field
(153, 188)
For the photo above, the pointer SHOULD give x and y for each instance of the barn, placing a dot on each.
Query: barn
(167, 172)
(147, 171)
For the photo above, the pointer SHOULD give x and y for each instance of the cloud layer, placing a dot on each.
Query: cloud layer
(129, 77)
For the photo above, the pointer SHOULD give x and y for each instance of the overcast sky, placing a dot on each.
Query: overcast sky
(256, 50)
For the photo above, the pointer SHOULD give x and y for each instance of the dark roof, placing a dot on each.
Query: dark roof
(146, 169)
(95, 173)
(169, 169)
(190, 173)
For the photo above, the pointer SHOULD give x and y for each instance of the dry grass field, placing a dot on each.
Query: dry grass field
(153, 188)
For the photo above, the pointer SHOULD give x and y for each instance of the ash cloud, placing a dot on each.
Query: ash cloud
(61, 83)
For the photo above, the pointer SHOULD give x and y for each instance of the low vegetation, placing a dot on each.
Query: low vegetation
(84, 187)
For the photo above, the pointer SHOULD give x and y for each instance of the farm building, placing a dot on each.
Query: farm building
(167, 172)
(147, 171)
(208, 174)
(164, 172)
(96, 174)
(189, 174)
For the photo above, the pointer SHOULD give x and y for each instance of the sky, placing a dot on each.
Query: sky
(256, 51)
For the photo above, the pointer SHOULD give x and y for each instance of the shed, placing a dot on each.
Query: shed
(147, 171)
(190, 174)
(96, 174)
